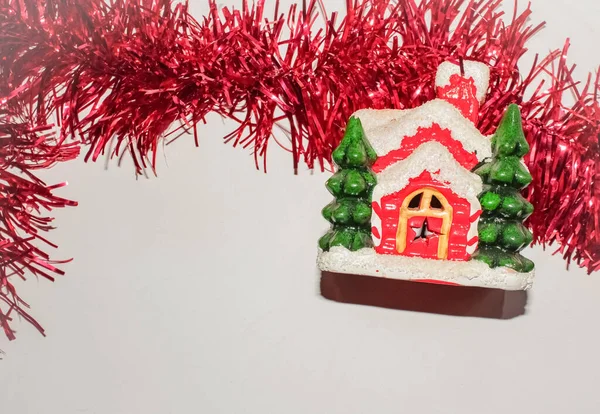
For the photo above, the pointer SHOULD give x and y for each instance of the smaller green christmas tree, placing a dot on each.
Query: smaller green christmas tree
(502, 235)
(352, 186)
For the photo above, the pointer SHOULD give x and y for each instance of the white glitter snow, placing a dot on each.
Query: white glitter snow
(373, 118)
(480, 73)
(386, 129)
(472, 273)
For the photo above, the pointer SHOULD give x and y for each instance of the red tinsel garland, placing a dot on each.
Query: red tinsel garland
(135, 72)
(23, 196)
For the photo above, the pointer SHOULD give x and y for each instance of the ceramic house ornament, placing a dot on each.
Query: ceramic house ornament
(422, 195)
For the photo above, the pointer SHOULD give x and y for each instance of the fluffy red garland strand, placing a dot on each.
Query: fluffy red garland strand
(23, 196)
(131, 73)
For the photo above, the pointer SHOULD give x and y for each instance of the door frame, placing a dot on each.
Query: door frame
(425, 210)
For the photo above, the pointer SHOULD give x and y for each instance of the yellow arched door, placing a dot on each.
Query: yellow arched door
(425, 202)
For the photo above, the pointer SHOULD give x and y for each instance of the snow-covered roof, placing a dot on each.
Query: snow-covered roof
(439, 162)
(373, 118)
(385, 129)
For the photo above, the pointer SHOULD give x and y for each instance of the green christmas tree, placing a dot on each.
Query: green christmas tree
(352, 186)
(502, 235)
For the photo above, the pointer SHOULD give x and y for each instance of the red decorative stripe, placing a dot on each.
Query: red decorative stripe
(376, 208)
(473, 241)
(375, 232)
(475, 216)
(424, 135)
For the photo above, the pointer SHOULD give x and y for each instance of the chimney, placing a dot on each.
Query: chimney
(464, 86)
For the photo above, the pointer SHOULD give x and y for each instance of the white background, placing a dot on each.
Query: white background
(197, 292)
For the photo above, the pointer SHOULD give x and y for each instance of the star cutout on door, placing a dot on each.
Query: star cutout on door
(424, 232)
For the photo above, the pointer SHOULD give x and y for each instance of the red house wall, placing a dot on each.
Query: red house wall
(389, 213)
(423, 135)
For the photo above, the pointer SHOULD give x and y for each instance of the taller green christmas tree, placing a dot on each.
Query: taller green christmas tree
(352, 186)
(502, 235)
